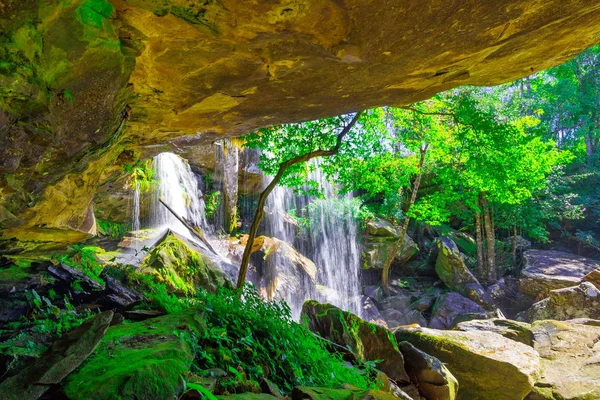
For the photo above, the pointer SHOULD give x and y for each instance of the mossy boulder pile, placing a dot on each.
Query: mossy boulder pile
(176, 263)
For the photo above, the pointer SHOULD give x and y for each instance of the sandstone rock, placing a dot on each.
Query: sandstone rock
(139, 360)
(584, 321)
(514, 330)
(176, 263)
(142, 315)
(486, 365)
(423, 303)
(581, 301)
(570, 359)
(450, 306)
(376, 250)
(593, 277)
(65, 355)
(230, 55)
(431, 376)
(367, 341)
(381, 227)
(452, 270)
(546, 270)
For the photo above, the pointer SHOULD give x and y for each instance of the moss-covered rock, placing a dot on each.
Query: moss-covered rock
(368, 342)
(486, 365)
(58, 361)
(451, 268)
(139, 360)
(176, 263)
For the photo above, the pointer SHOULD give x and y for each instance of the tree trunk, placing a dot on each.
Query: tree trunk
(491, 253)
(514, 246)
(479, 241)
(385, 273)
(262, 199)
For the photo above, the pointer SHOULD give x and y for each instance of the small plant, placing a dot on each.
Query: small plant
(212, 203)
(84, 259)
(141, 175)
(114, 230)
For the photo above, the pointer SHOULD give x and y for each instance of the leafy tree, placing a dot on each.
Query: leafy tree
(286, 149)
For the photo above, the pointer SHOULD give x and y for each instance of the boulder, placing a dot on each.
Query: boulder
(395, 318)
(522, 243)
(518, 331)
(584, 321)
(138, 360)
(118, 294)
(465, 243)
(486, 365)
(376, 249)
(400, 302)
(375, 292)
(63, 357)
(382, 228)
(178, 264)
(370, 313)
(368, 342)
(547, 270)
(429, 375)
(451, 268)
(570, 359)
(507, 296)
(581, 301)
(449, 307)
(69, 275)
(593, 277)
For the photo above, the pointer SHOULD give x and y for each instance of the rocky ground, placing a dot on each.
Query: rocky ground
(82, 325)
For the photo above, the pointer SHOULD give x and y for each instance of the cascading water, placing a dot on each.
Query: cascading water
(331, 241)
(177, 187)
(334, 244)
(136, 208)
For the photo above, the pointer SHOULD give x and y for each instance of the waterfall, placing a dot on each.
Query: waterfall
(136, 208)
(334, 244)
(331, 241)
(177, 187)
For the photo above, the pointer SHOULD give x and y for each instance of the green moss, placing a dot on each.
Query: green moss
(141, 360)
(181, 268)
(14, 273)
(94, 12)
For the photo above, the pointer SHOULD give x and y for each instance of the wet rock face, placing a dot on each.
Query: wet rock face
(75, 72)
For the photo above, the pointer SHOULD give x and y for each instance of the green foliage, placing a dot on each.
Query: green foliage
(84, 259)
(212, 203)
(47, 322)
(113, 229)
(141, 175)
(259, 339)
(252, 339)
